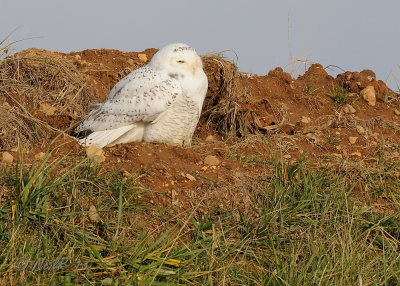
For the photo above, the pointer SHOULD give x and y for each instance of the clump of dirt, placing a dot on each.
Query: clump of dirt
(357, 81)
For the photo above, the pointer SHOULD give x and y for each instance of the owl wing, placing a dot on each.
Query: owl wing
(142, 96)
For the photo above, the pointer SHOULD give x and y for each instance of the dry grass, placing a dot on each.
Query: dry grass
(30, 79)
(222, 110)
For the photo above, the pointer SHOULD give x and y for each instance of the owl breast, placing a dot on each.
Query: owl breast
(176, 125)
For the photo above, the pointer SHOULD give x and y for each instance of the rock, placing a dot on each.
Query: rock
(7, 158)
(6, 105)
(376, 136)
(40, 156)
(47, 109)
(369, 95)
(360, 129)
(348, 109)
(174, 197)
(190, 177)
(78, 57)
(93, 215)
(397, 112)
(130, 62)
(352, 139)
(211, 160)
(358, 154)
(96, 153)
(305, 119)
(142, 57)
(209, 138)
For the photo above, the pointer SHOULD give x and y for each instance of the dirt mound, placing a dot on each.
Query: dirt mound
(246, 121)
(315, 112)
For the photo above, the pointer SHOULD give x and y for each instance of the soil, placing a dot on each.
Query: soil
(277, 116)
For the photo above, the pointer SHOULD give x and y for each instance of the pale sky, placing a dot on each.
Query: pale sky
(351, 34)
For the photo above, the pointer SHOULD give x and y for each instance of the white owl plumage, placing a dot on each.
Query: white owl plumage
(161, 101)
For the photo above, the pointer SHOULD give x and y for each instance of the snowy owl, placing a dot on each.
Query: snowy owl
(161, 101)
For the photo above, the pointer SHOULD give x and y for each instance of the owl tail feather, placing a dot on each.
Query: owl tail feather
(105, 137)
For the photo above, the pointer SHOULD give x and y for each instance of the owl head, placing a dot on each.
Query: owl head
(177, 59)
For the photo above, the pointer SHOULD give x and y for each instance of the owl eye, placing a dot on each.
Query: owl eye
(180, 62)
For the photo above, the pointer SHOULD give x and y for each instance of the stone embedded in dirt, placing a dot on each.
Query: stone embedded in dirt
(93, 215)
(142, 57)
(6, 105)
(305, 119)
(47, 109)
(358, 154)
(209, 138)
(375, 135)
(353, 139)
(211, 160)
(190, 177)
(130, 62)
(174, 197)
(96, 153)
(348, 109)
(337, 155)
(40, 156)
(360, 129)
(7, 158)
(369, 95)
(397, 112)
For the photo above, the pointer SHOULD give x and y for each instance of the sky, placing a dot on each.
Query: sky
(258, 35)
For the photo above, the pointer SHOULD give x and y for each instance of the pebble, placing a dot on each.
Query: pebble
(190, 177)
(358, 154)
(360, 129)
(397, 112)
(211, 160)
(352, 139)
(40, 156)
(7, 158)
(174, 197)
(142, 57)
(96, 153)
(305, 119)
(47, 109)
(348, 109)
(368, 94)
(209, 138)
(375, 135)
(93, 215)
